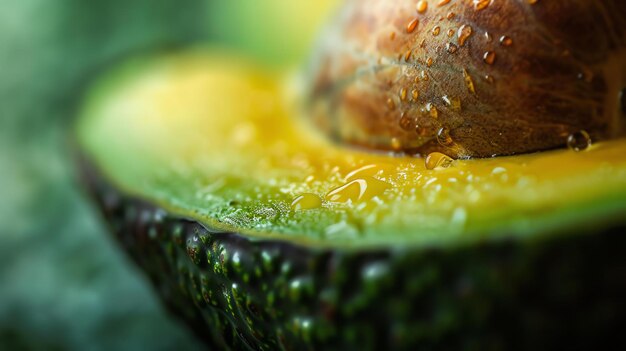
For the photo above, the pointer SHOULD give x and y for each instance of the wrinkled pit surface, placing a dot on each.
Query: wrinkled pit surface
(470, 78)
(213, 139)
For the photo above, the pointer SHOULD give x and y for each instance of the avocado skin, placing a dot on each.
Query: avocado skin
(241, 293)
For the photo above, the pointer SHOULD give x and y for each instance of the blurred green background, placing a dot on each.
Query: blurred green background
(64, 284)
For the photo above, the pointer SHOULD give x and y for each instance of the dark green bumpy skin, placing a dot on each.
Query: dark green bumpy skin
(244, 294)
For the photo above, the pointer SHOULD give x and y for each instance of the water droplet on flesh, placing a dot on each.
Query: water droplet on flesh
(370, 170)
(437, 160)
(361, 189)
(306, 201)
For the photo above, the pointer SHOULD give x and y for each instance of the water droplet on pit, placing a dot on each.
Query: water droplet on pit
(464, 33)
(469, 81)
(411, 26)
(436, 30)
(432, 110)
(443, 137)
(579, 141)
(451, 48)
(415, 94)
(454, 103)
(421, 6)
(481, 4)
(403, 93)
(395, 144)
(506, 41)
(489, 57)
(405, 122)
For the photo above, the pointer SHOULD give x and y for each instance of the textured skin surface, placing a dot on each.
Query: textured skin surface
(556, 67)
(237, 293)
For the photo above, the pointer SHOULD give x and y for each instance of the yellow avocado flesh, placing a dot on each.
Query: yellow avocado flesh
(208, 137)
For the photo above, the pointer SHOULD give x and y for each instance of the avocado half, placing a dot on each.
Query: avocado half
(263, 235)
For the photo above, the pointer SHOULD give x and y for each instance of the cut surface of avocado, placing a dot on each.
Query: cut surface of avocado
(220, 141)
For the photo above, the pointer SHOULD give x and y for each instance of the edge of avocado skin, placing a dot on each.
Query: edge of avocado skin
(241, 293)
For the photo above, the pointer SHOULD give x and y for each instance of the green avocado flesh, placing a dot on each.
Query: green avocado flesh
(223, 142)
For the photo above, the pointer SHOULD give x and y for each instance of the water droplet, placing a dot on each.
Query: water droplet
(437, 160)
(469, 81)
(424, 76)
(429, 61)
(506, 41)
(450, 33)
(421, 6)
(586, 75)
(361, 189)
(370, 170)
(395, 144)
(579, 141)
(451, 48)
(391, 104)
(403, 93)
(306, 201)
(464, 33)
(489, 79)
(451, 15)
(442, 2)
(481, 4)
(406, 123)
(436, 30)
(489, 57)
(422, 131)
(443, 137)
(410, 27)
(488, 37)
(415, 94)
(454, 103)
(407, 55)
(434, 113)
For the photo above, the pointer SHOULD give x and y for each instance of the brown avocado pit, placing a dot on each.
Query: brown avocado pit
(471, 79)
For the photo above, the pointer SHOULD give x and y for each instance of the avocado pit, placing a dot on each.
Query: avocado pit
(499, 78)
